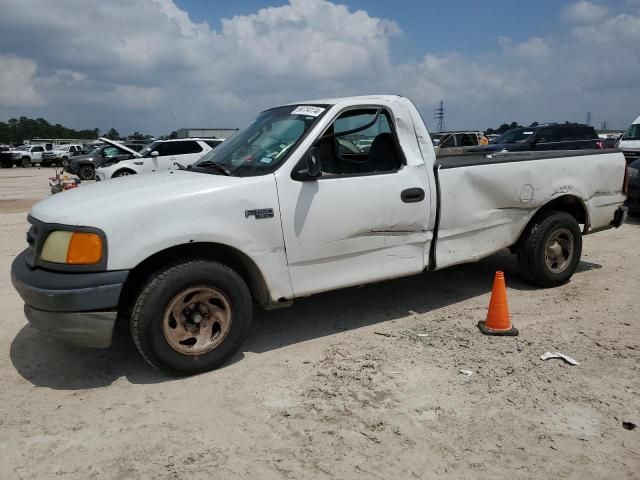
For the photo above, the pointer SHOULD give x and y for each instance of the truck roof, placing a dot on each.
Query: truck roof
(349, 100)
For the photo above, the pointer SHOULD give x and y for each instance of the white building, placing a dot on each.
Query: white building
(206, 132)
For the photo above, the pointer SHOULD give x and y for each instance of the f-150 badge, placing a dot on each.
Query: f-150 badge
(259, 213)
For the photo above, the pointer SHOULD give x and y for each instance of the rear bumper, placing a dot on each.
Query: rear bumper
(79, 308)
(619, 217)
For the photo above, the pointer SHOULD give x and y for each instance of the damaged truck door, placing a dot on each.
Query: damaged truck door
(367, 213)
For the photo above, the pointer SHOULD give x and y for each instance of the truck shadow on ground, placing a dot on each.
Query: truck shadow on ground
(47, 363)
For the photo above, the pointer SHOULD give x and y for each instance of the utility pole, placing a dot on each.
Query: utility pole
(439, 116)
(588, 118)
(604, 125)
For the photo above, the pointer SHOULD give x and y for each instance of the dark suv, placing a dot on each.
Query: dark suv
(545, 137)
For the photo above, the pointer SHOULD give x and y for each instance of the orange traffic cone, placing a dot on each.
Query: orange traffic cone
(498, 321)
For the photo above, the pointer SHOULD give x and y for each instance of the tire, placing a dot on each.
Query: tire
(168, 345)
(123, 173)
(86, 172)
(5, 165)
(550, 251)
(25, 162)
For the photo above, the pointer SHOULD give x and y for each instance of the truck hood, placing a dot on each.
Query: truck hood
(629, 145)
(104, 202)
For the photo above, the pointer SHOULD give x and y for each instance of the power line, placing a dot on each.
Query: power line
(439, 116)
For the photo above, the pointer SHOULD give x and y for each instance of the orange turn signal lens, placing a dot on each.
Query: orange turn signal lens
(84, 249)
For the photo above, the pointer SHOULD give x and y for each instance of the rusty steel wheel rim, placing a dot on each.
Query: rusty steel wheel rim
(197, 320)
(559, 250)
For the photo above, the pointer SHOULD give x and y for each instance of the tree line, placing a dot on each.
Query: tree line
(16, 130)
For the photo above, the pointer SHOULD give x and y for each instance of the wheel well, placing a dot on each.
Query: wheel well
(570, 204)
(231, 257)
(123, 170)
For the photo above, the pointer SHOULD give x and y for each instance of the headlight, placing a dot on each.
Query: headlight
(72, 248)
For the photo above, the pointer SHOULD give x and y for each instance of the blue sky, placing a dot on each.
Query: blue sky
(158, 67)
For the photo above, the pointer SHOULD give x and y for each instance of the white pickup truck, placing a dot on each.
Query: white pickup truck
(288, 209)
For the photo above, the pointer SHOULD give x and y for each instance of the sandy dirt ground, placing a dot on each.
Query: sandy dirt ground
(360, 383)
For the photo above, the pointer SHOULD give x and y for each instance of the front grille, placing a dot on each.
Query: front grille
(48, 155)
(631, 155)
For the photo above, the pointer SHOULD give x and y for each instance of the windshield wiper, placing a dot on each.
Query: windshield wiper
(180, 166)
(218, 166)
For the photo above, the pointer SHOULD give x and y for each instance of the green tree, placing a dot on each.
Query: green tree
(112, 134)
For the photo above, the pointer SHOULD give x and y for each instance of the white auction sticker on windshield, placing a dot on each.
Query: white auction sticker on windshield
(308, 110)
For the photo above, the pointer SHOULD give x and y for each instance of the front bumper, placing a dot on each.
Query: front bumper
(79, 308)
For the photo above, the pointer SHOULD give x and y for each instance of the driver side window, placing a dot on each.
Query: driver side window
(367, 144)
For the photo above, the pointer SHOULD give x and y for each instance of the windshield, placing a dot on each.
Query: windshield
(22, 148)
(264, 144)
(94, 150)
(516, 135)
(633, 133)
(149, 148)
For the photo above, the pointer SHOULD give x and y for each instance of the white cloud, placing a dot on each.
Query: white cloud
(533, 48)
(17, 82)
(585, 12)
(138, 60)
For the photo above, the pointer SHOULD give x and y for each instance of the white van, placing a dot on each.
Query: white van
(630, 142)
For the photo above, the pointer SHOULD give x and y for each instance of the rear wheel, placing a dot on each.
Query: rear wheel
(551, 249)
(5, 165)
(191, 317)
(25, 162)
(86, 172)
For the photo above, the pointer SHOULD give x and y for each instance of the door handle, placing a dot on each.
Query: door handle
(412, 195)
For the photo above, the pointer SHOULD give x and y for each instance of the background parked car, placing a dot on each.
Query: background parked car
(630, 142)
(84, 166)
(60, 154)
(24, 156)
(457, 143)
(160, 155)
(545, 137)
(633, 194)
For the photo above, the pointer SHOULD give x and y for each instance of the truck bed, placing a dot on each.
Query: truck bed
(472, 159)
(486, 206)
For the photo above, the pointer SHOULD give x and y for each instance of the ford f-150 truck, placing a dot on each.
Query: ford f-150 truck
(282, 210)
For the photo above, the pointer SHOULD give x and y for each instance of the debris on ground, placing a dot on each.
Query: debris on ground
(566, 358)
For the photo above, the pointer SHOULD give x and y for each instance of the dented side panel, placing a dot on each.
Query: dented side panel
(486, 207)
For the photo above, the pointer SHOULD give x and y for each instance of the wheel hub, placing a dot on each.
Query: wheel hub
(559, 250)
(197, 320)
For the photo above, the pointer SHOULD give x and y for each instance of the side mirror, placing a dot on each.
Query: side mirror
(309, 167)
(154, 153)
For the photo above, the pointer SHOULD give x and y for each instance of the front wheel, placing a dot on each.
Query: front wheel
(551, 249)
(191, 317)
(86, 172)
(25, 162)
